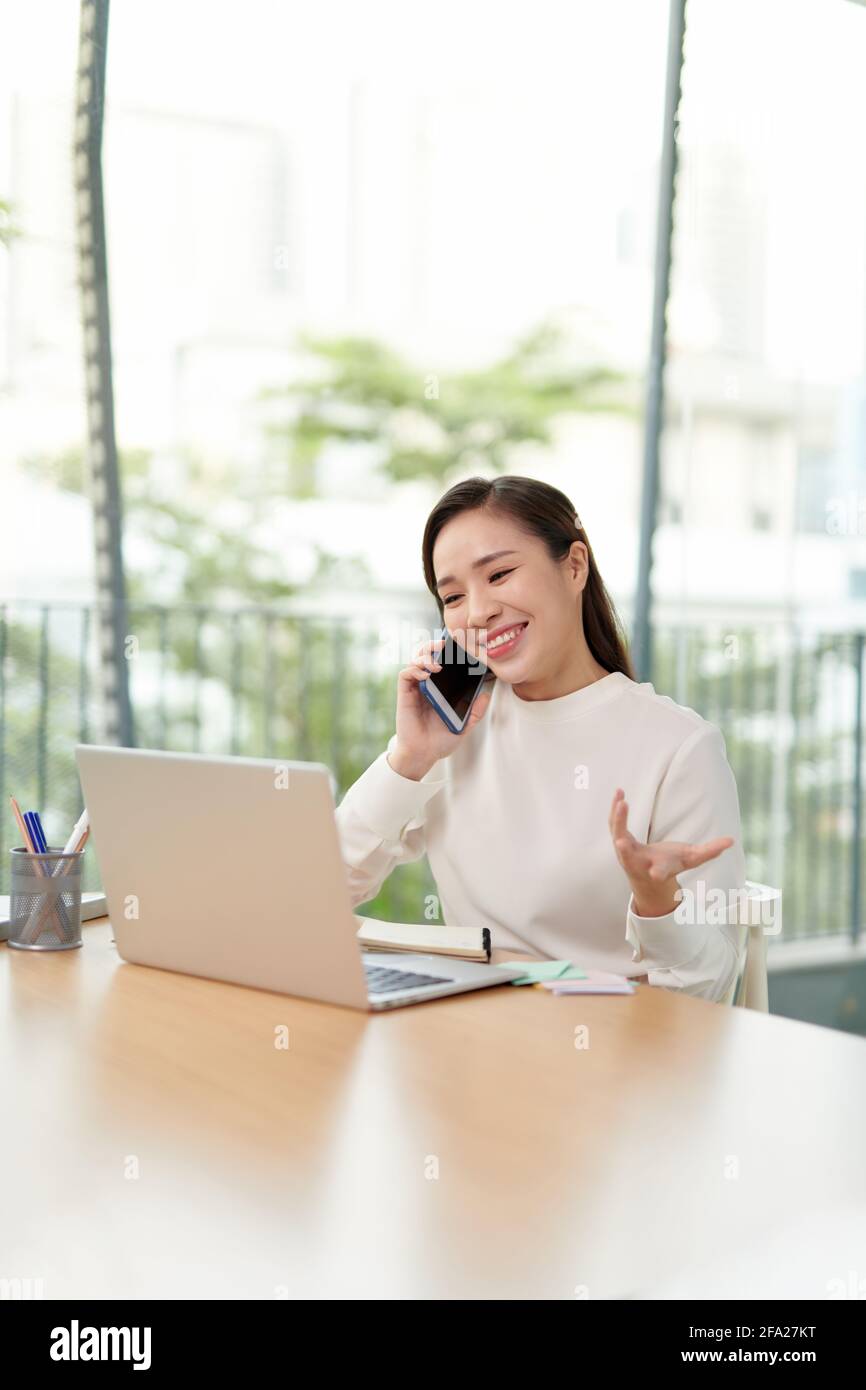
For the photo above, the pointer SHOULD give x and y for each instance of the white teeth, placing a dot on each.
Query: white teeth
(503, 638)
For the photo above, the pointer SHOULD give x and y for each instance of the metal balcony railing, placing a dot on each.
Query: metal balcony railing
(301, 685)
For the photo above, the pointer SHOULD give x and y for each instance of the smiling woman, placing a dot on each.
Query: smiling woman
(549, 563)
(524, 816)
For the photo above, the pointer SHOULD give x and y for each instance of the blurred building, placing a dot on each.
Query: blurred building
(440, 226)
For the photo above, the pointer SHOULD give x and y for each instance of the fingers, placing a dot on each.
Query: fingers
(425, 652)
(657, 862)
(418, 673)
(622, 837)
(424, 659)
(675, 858)
(478, 709)
(702, 854)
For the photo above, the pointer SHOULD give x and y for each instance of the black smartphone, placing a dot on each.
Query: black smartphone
(453, 691)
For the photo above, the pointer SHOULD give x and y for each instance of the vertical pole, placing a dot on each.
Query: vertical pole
(4, 628)
(782, 749)
(641, 640)
(103, 473)
(857, 829)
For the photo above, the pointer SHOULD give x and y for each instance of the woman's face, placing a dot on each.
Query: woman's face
(486, 594)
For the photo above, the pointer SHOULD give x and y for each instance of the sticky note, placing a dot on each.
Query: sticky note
(535, 970)
(593, 982)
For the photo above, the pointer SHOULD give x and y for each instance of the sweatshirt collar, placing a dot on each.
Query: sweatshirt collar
(566, 706)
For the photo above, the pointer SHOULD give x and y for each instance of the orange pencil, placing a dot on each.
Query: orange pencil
(22, 826)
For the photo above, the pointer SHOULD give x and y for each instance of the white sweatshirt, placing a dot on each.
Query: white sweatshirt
(515, 826)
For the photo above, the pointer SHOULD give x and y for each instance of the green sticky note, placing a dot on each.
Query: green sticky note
(572, 973)
(535, 970)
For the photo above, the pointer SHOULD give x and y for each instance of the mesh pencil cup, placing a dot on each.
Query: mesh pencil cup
(45, 908)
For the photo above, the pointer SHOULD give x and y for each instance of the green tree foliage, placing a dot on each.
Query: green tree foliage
(435, 426)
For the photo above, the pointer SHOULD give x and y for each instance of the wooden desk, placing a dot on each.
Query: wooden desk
(157, 1143)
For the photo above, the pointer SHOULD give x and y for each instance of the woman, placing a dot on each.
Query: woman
(576, 802)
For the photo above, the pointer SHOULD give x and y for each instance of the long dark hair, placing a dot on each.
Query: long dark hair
(543, 511)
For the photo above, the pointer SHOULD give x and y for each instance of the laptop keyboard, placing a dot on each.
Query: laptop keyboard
(384, 979)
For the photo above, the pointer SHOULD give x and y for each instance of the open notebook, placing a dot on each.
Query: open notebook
(469, 943)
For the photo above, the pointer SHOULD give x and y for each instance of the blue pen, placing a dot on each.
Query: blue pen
(34, 825)
(38, 819)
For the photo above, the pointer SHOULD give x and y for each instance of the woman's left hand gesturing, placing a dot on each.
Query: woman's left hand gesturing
(651, 869)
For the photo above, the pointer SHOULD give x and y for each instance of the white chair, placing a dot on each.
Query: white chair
(749, 987)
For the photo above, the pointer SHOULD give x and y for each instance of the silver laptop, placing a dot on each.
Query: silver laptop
(231, 868)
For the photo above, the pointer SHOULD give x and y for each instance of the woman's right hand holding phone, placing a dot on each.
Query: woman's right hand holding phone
(422, 737)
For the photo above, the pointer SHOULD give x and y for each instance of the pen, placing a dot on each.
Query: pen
(81, 826)
(37, 821)
(34, 825)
